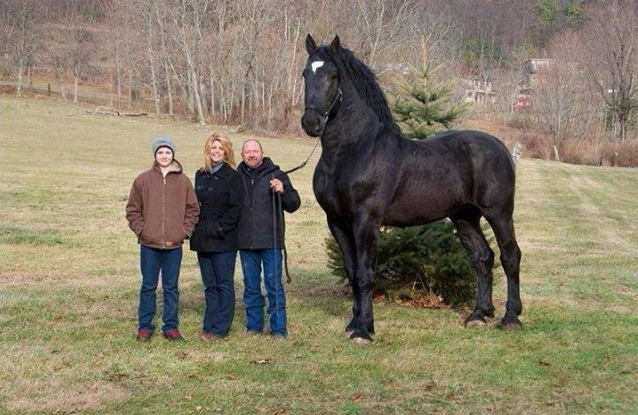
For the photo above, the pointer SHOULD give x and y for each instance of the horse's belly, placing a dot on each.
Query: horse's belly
(422, 210)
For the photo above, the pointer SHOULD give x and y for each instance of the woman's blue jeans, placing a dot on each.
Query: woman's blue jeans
(251, 263)
(152, 261)
(218, 270)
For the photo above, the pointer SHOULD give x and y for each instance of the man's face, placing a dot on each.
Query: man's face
(164, 156)
(252, 154)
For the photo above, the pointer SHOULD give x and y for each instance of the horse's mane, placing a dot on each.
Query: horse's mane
(363, 80)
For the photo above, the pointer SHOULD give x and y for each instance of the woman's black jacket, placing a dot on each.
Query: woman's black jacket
(221, 197)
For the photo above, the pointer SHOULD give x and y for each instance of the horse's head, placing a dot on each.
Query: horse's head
(322, 88)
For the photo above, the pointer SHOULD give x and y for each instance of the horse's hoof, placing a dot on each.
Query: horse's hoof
(359, 340)
(475, 323)
(475, 320)
(360, 334)
(510, 323)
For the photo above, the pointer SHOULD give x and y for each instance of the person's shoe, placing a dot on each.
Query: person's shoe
(252, 333)
(173, 335)
(278, 337)
(208, 336)
(144, 335)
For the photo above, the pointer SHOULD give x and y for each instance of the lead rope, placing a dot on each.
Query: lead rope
(338, 98)
(276, 257)
(281, 211)
(302, 165)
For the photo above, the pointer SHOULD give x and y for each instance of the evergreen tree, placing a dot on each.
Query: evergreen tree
(422, 106)
(547, 11)
(575, 14)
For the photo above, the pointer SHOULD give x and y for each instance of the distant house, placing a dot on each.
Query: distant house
(479, 91)
(523, 102)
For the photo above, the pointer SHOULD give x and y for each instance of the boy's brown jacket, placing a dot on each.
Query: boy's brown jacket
(162, 211)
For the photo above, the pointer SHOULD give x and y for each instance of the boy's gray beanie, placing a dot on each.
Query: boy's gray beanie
(163, 141)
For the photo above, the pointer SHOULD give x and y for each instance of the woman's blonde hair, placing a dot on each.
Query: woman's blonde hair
(227, 146)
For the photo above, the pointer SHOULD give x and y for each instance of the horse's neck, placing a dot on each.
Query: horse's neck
(354, 126)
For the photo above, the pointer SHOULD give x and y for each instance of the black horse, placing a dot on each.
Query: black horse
(369, 175)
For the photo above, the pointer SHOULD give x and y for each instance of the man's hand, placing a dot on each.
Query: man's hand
(277, 185)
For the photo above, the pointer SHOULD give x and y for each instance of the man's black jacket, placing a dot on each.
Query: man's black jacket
(256, 230)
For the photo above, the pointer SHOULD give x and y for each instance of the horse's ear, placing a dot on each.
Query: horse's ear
(310, 44)
(336, 43)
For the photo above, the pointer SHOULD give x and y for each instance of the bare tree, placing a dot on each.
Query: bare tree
(79, 42)
(562, 99)
(19, 33)
(612, 61)
(188, 18)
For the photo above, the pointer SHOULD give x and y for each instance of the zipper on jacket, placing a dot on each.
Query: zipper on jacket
(164, 213)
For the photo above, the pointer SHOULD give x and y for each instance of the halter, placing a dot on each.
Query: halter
(325, 115)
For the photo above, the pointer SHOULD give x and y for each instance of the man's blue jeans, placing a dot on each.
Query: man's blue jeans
(218, 270)
(251, 263)
(152, 261)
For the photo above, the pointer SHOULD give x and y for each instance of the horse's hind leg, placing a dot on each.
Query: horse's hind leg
(468, 227)
(503, 227)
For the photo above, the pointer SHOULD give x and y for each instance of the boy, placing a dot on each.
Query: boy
(162, 209)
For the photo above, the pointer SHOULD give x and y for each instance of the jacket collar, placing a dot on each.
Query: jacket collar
(223, 171)
(263, 169)
(175, 167)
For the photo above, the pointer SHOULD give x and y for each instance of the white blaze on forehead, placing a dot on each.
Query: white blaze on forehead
(316, 65)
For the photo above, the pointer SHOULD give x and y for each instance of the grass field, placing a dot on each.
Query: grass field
(70, 288)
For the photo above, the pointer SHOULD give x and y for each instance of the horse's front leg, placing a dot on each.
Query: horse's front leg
(343, 236)
(366, 236)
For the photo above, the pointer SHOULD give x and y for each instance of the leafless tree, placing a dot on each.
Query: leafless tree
(612, 62)
(562, 99)
(19, 35)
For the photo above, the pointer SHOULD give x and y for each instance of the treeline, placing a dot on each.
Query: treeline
(240, 61)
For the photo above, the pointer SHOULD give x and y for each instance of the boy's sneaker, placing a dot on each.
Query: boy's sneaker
(173, 335)
(252, 333)
(144, 335)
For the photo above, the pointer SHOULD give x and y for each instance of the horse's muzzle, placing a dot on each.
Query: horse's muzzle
(313, 123)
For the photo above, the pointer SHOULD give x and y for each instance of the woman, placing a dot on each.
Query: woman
(219, 190)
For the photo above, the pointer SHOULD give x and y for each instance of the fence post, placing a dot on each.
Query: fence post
(614, 159)
(516, 152)
(555, 155)
(48, 89)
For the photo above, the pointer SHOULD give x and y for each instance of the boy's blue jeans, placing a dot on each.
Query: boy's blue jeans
(152, 261)
(251, 263)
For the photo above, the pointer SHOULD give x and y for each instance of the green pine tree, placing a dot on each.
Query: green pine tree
(575, 14)
(547, 11)
(422, 106)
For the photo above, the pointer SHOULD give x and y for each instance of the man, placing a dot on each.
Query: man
(260, 241)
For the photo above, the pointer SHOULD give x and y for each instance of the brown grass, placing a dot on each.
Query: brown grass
(594, 150)
(600, 153)
(44, 396)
